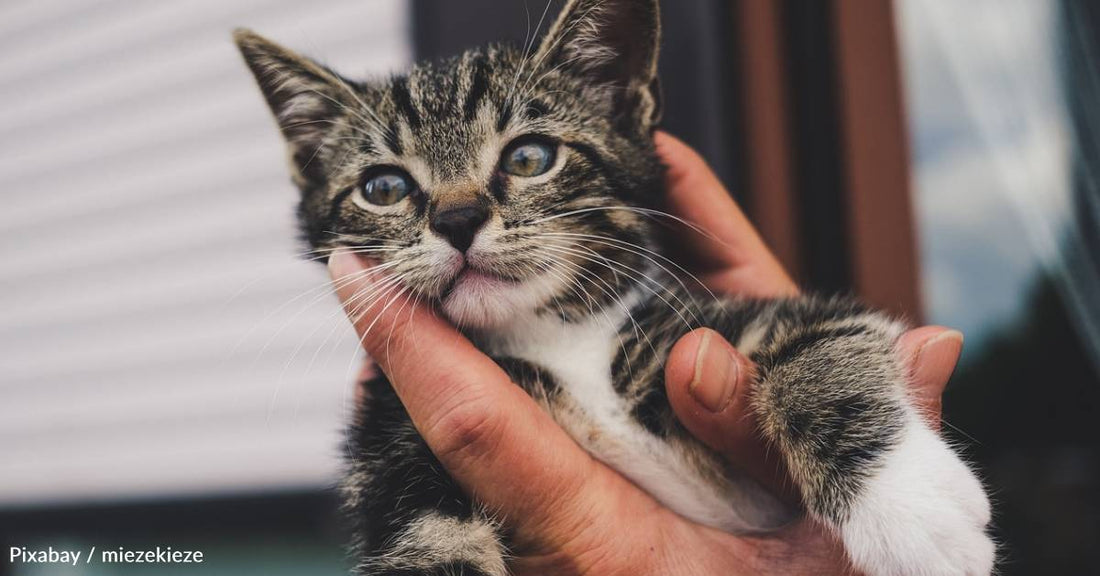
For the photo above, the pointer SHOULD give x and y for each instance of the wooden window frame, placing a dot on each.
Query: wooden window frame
(827, 146)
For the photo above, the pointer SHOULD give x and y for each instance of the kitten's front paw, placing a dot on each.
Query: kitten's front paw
(436, 544)
(924, 513)
(450, 569)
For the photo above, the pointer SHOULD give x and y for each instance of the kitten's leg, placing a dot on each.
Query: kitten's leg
(409, 517)
(832, 397)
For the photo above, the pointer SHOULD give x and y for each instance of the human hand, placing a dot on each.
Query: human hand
(570, 514)
(733, 260)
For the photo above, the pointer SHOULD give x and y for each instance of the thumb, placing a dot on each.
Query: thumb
(931, 354)
(708, 384)
(486, 431)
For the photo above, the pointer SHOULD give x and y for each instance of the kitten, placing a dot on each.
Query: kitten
(517, 193)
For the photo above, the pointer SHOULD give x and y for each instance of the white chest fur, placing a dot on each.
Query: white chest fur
(579, 356)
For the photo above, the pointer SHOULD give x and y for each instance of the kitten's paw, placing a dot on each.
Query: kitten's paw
(435, 544)
(452, 569)
(388, 568)
(924, 513)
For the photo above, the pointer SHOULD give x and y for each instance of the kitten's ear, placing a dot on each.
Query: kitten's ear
(614, 42)
(305, 97)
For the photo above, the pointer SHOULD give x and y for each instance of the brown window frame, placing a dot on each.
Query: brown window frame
(827, 148)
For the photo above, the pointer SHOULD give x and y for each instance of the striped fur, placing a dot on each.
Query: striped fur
(565, 286)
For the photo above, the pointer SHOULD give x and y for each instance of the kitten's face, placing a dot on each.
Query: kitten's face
(495, 184)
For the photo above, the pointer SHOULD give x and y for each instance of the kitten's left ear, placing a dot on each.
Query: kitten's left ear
(613, 42)
(305, 97)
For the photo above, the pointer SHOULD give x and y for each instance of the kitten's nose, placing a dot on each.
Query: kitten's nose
(459, 225)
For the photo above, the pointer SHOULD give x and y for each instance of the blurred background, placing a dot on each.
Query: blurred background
(172, 374)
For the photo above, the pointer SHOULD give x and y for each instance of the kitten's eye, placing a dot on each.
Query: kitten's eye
(528, 159)
(387, 188)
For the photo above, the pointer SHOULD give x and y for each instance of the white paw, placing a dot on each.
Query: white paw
(924, 513)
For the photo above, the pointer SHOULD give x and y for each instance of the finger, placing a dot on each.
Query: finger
(732, 257)
(931, 354)
(708, 384)
(489, 434)
(367, 373)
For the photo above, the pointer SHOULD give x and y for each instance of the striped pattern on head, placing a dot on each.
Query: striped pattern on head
(502, 182)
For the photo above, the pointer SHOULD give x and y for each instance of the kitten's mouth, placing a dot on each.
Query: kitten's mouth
(481, 298)
(475, 281)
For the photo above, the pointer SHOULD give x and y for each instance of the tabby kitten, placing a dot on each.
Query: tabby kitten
(516, 191)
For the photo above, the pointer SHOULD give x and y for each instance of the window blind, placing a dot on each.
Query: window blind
(159, 337)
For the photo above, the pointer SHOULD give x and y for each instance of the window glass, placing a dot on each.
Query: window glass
(165, 351)
(1004, 102)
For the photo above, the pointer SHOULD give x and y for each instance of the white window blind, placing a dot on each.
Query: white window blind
(158, 336)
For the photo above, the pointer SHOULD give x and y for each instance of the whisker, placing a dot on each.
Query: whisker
(351, 301)
(609, 291)
(648, 212)
(557, 43)
(573, 284)
(325, 291)
(648, 254)
(400, 289)
(332, 331)
(628, 271)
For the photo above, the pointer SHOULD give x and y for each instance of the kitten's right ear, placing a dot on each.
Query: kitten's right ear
(305, 97)
(613, 43)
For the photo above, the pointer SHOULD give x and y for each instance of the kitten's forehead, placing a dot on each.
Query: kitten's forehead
(445, 113)
(454, 116)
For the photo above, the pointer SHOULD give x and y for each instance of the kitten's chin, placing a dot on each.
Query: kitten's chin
(481, 301)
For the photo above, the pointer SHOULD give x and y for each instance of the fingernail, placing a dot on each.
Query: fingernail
(939, 355)
(342, 262)
(950, 335)
(716, 373)
(954, 337)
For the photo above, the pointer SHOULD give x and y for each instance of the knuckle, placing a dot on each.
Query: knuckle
(467, 433)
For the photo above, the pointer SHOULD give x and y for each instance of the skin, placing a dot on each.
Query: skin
(572, 514)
